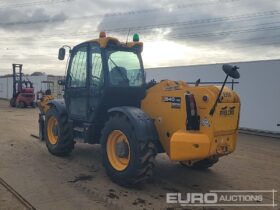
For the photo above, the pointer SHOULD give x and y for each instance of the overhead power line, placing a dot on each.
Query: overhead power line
(32, 3)
(130, 13)
(223, 33)
(246, 42)
(200, 34)
(206, 36)
(179, 6)
(205, 21)
(243, 17)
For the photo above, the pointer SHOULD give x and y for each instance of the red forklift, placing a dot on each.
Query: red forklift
(23, 91)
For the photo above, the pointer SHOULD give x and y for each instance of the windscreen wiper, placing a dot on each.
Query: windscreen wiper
(119, 70)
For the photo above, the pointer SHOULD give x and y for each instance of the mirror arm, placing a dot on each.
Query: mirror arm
(212, 111)
(64, 46)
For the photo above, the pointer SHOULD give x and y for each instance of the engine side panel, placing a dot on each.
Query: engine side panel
(167, 109)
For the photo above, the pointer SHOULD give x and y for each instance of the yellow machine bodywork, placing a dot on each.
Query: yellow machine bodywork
(217, 134)
(43, 103)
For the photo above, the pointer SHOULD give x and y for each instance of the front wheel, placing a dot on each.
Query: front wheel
(127, 159)
(58, 133)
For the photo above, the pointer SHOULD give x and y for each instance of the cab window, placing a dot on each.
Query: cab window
(124, 68)
(78, 70)
(97, 78)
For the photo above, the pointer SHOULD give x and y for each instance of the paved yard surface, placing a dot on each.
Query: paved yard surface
(79, 181)
(10, 201)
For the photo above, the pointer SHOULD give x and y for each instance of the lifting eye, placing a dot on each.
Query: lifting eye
(205, 98)
(168, 134)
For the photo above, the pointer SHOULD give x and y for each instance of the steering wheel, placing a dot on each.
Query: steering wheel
(94, 81)
(95, 77)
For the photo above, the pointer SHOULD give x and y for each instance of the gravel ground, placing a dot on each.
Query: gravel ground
(80, 182)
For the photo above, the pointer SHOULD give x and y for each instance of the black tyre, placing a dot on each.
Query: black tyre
(202, 164)
(58, 133)
(127, 159)
(13, 102)
(41, 123)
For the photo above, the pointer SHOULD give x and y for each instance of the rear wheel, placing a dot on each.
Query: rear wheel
(201, 164)
(127, 159)
(58, 133)
(13, 102)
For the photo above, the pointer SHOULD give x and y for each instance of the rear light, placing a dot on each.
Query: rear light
(192, 121)
(192, 105)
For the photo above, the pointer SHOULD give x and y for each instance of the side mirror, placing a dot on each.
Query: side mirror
(61, 53)
(231, 71)
(61, 82)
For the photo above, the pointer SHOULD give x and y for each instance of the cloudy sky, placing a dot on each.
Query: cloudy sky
(174, 32)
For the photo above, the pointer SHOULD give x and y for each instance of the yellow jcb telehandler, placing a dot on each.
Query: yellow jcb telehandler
(107, 102)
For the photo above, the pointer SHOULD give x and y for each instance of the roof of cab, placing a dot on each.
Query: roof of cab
(103, 42)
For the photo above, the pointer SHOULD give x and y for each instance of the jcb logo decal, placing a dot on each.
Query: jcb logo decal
(225, 111)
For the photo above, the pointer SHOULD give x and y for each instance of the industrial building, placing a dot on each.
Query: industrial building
(6, 85)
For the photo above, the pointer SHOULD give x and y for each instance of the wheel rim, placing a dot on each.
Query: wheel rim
(115, 140)
(52, 125)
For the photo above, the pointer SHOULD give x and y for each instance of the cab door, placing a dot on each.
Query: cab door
(76, 91)
(97, 81)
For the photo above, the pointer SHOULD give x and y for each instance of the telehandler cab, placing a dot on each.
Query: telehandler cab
(107, 102)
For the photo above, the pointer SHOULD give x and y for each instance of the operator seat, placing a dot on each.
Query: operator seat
(48, 92)
(118, 76)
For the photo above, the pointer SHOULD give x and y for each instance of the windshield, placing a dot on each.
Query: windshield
(124, 68)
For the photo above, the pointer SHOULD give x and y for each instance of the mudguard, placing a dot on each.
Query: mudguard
(59, 104)
(141, 122)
